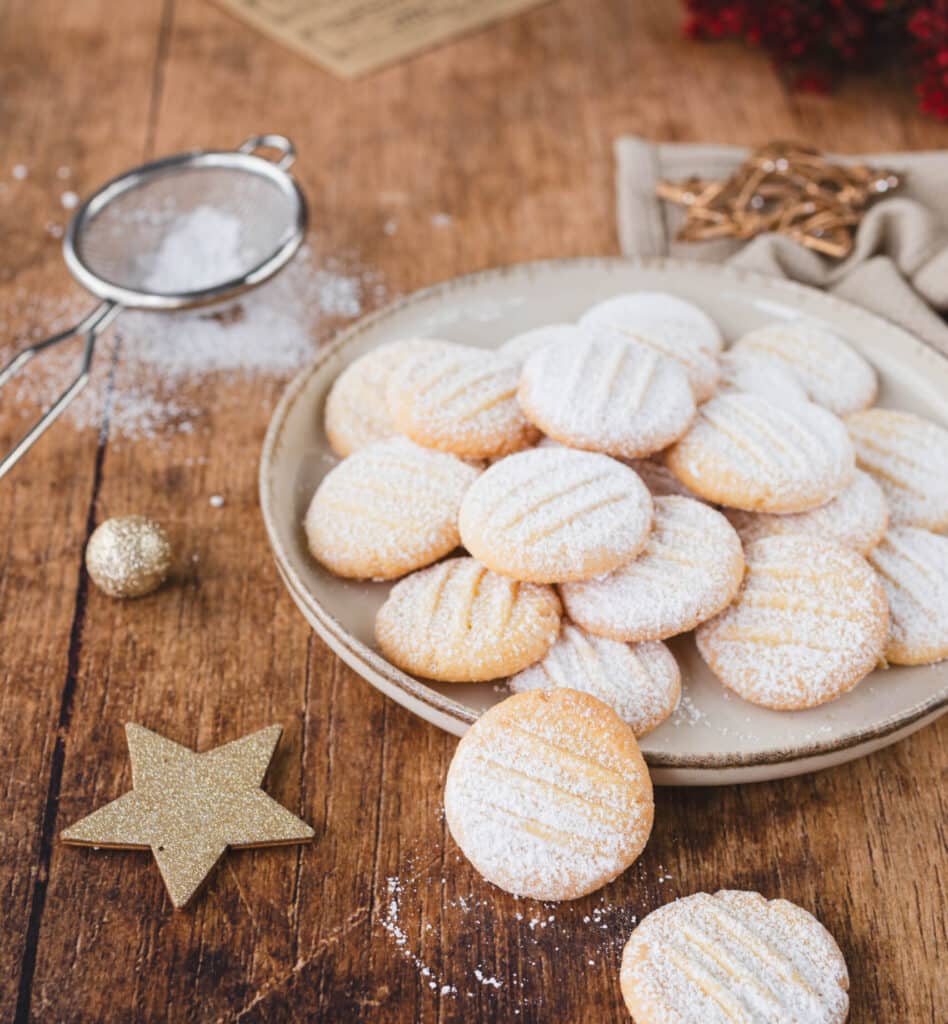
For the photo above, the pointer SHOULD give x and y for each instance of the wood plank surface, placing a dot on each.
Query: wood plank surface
(494, 149)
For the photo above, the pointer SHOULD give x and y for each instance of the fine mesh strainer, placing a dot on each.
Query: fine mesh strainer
(134, 244)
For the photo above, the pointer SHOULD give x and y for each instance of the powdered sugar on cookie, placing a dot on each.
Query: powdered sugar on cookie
(733, 956)
(809, 623)
(548, 795)
(690, 568)
(641, 682)
(553, 514)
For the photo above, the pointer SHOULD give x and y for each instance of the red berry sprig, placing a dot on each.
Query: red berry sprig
(813, 41)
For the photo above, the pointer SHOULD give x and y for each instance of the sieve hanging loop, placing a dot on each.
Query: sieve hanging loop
(278, 142)
(123, 239)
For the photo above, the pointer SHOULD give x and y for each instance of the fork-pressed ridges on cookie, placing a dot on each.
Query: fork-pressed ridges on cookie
(857, 517)
(908, 457)
(810, 621)
(690, 568)
(548, 795)
(733, 958)
(606, 395)
(356, 411)
(461, 400)
(387, 509)
(640, 682)
(653, 324)
(832, 372)
(913, 567)
(458, 622)
(749, 453)
(554, 514)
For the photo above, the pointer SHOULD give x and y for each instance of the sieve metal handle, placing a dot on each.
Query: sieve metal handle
(91, 326)
(271, 141)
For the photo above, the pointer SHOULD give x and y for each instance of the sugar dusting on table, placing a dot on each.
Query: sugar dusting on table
(162, 358)
(599, 924)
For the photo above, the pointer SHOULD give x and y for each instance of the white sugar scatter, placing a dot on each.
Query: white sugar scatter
(69, 200)
(391, 227)
(441, 219)
(160, 359)
(20, 172)
(55, 230)
(201, 249)
(217, 501)
(485, 980)
(63, 173)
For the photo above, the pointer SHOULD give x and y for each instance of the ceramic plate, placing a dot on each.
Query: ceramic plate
(714, 737)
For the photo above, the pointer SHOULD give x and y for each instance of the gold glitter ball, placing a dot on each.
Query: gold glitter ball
(189, 808)
(128, 556)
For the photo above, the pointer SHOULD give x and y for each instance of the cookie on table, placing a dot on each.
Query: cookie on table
(749, 370)
(810, 621)
(831, 371)
(656, 321)
(356, 411)
(548, 795)
(387, 509)
(554, 514)
(857, 517)
(733, 956)
(606, 395)
(913, 567)
(908, 457)
(460, 400)
(640, 682)
(522, 346)
(458, 622)
(690, 568)
(747, 452)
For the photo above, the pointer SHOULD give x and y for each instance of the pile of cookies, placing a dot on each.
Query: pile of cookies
(616, 482)
(623, 480)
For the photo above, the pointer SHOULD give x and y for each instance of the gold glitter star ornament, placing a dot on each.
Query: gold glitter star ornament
(188, 808)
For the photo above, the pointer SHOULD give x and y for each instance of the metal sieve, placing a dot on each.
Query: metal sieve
(121, 240)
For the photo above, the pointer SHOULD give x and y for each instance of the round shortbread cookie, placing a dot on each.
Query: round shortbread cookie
(606, 395)
(809, 623)
(548, 795)
(731, 957)
(750, 453)
(913, 567)
(460, 400)
(677, 319)
(458, 622)
(626, 316)
(831, 371)
(908, 456)
(690, 568)
(356, 411)
(554, 514)
(749, 370)
(857, 517)
(387, 509)
(522, 346)
(640, 682)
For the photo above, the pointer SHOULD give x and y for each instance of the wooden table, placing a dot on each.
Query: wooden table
(510, 132)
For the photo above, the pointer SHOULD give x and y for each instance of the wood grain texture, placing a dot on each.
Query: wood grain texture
(509, 131)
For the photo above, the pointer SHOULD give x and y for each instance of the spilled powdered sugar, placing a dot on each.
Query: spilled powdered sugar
(599, 925)
(158, 361)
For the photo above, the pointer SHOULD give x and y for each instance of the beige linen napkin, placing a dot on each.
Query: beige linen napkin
(898, 267)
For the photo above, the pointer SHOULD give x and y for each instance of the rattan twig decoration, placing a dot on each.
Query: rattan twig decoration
(782, 187)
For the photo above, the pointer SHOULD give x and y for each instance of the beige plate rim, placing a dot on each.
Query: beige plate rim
(369, 663)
